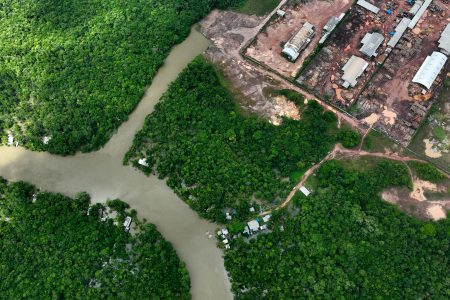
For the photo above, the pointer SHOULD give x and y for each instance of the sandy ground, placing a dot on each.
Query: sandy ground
(436, 212)
(372, 119)
(268, 46)
(229, 31)
(419, 188)
(429, 151)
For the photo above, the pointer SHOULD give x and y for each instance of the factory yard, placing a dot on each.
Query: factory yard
(268, 44)
(325, 76)
(392, 89)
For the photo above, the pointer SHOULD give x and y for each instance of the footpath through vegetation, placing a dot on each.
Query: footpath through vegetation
(54, 247)
(345, 242)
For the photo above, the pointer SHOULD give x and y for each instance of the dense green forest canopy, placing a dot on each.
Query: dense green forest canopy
(72, 71)
(217, 159)
(51, 248)
(344, 242)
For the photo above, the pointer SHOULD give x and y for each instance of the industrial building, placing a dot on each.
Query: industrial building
(430, 69)
(419, 14)
(371, 42)
(352, 70)
(293, 48)
(330, 26)
(398, 32)
(444, 41)
(369, 6)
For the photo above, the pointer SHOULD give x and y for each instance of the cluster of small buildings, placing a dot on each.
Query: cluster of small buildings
(254, 226)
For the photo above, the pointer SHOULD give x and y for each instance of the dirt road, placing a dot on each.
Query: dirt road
(341, 153)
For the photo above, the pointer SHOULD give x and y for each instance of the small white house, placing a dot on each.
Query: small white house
(224, 231)
(225, 241)
(227, 246)
(252, 209)
(10, 139)
(281, 13)
(228, 216)
(127, 223)
(305, 191)
(263, 227)
(266, 218)
(143, 162)
(253, 225)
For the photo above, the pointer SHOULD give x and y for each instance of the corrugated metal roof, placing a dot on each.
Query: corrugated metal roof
(419, 14)
(444, 41)
(416, 7)
(399, 30)
(353, 69)
(369, 6)
(430, 69)
(299, 41)
(371, 42)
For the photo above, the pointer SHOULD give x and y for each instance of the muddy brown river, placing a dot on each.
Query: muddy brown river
(103, 176)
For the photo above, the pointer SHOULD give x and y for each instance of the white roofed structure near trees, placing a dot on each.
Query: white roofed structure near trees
(305, 191)
(444, 41)
(430, 69)
(253, 225)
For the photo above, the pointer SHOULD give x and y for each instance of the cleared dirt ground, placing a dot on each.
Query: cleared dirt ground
(269, 43)
(392, 89)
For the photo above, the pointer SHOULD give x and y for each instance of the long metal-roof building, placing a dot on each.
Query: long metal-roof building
(352, 70)
(371, 42)
(444, 41)
(419, 14)
(430, 69)
(299, 41)
(369, 6)
(399, 30)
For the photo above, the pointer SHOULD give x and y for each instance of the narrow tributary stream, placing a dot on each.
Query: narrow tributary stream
(103, 176)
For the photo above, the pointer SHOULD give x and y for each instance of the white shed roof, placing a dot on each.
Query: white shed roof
(353, 69)
(444, 41)
(430, 69)
(369, 6)
(266, 218)
(399, 30)
(305, 191)
(419, 14)
(253, 225)
(143, 162)
(371, 42)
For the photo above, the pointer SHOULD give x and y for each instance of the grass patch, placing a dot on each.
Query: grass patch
(426, 171)
(361, 164)
(256, 7)
(377, 142)
(296, 176)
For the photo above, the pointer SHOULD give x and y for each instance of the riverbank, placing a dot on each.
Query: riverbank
(103, 176)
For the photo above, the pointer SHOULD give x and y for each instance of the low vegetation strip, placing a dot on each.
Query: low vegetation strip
(344, 242)
(71, 72)
(220, 161)
(55, 247)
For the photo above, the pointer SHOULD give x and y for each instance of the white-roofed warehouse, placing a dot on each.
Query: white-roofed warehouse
(352, 70)
(300, 40)
(444, 41)
(430, 69)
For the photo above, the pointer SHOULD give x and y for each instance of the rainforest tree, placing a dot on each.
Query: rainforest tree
(54, 247)
(72, 71)
(344, 242)
(218, 160)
